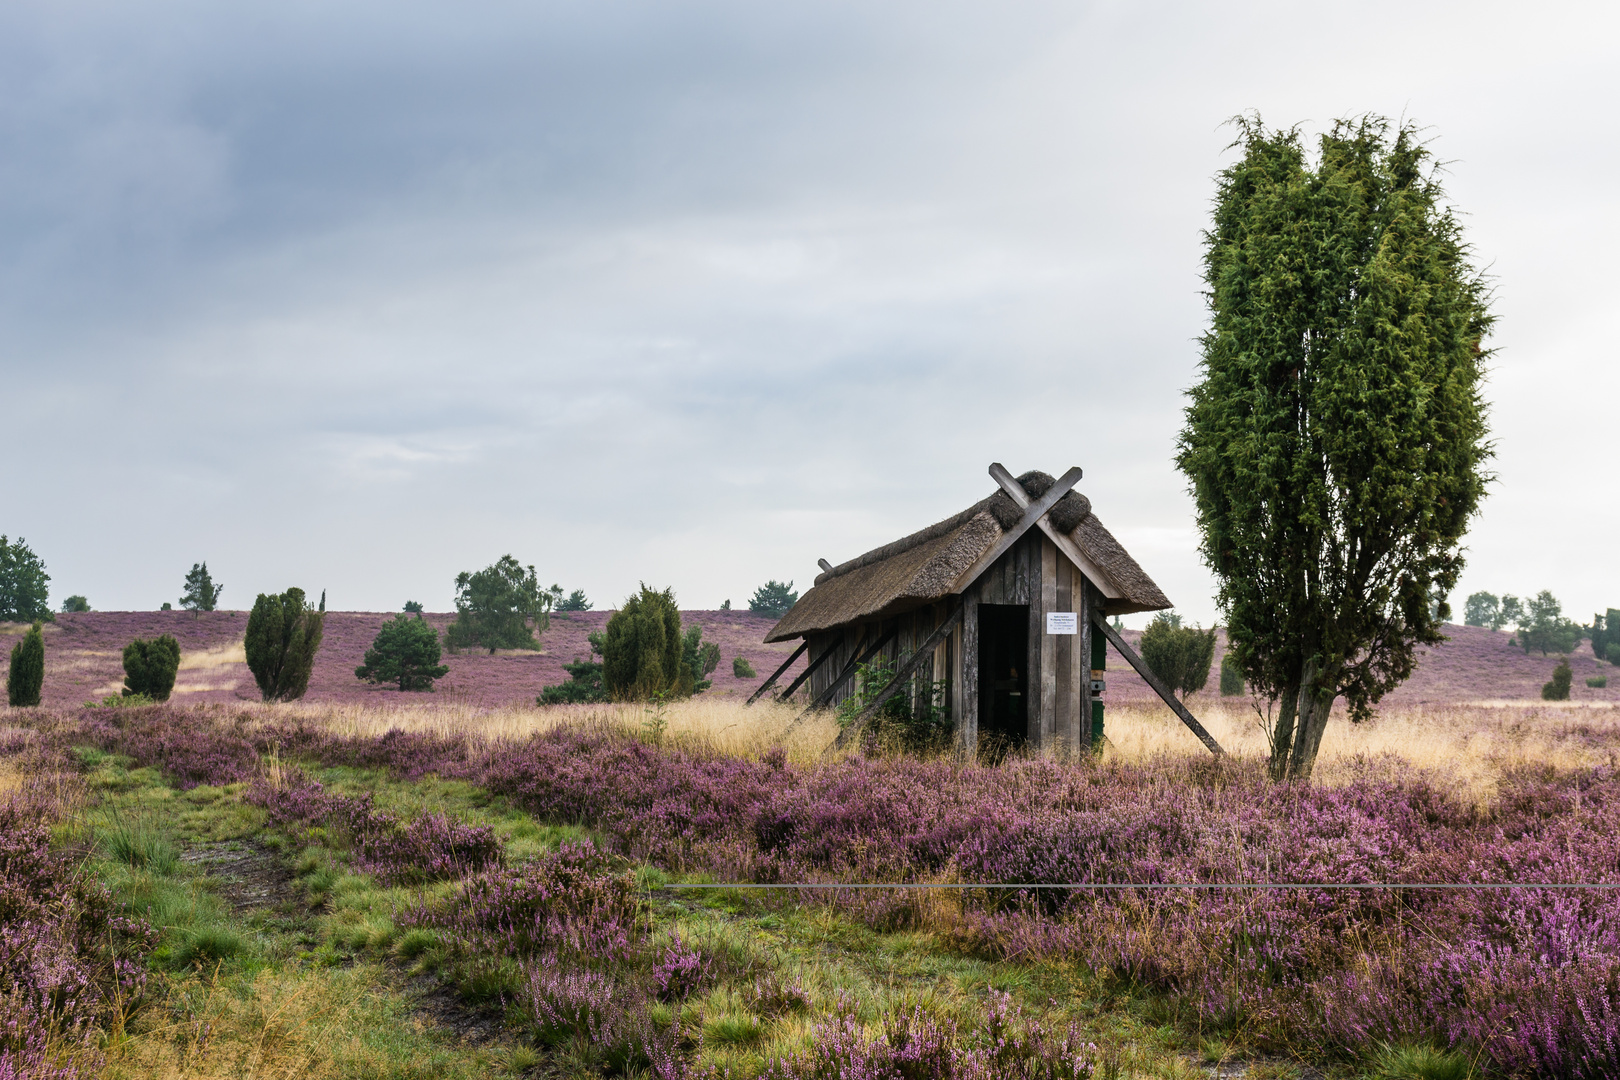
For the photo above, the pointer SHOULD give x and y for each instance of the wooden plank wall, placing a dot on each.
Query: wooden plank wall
(1032, 572)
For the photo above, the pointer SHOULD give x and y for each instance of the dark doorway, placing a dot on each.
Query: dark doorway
(1003, 677)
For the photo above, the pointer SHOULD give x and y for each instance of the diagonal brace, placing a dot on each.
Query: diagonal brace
(777, 674)
(1033, 513)
(1158, 687)
(924, 653)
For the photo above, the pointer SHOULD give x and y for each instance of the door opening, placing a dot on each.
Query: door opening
(1003, 677)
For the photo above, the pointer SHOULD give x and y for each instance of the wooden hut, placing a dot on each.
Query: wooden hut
(1004, 606)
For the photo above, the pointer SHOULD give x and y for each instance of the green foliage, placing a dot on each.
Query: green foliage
(405, 651)
(915, 721)
(1597, 682)
(1542, 626)
(774, 599)
(699, 657)
(150, 667)
(24, 584)
(75, 604)
(25, 678)
(1604, 631)
(121, 701)
(1179, 655)
(584, 686)
(742, 669)
(642, 647)
(1558, 688)
(1335, 444)
(725, 605)
(1613, 652)
(283, 635)
(1512, 611)
(201, 593)
(412, 607)
(574, 601)
(1482, 609)
(166, 606)
(494, 607)
(1422, 1063)
(1231, 675)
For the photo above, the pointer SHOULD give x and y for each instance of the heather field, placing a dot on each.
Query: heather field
(369, 883)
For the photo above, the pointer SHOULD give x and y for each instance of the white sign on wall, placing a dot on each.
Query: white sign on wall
(1062, 622)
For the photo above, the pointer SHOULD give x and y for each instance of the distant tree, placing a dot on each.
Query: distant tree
(1335, 443)
(1179, 655)
(77, 605)
(283, 635)
(1481, 609)
(1231, 676)
(700, 658)
(405, 651)
(774, 599)
(495, 605)
(641, 649)
(150, 667)
(1604, 632)
(166, 606)
(574, 601)
(24, 584)
(725, 605)
(322, 608)
(25, 678)
(201, 593)
(1558, 688)
(412, 607)
(1512, 611)
(1542, 626)
(742, 669)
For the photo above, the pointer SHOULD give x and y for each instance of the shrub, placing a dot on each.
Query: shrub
(77, 605)
(406, 651)
(150, 667)
(1605, 631)
(1231, 676)
(23, 584)
(774, 599)
(1597, 682)
(699, 657)
(1179, 655)
(283, 635)
(917, 720)
(412, 607)
(584, 686)
(742, 669)
(1614, 652)
(25, 679)
(641, 649)
(201, 593)
(574, 601)
(1558, 688)
(166, 606)
(494, 606)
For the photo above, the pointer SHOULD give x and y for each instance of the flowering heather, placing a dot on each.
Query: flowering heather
(1529, 976)
(429, 847)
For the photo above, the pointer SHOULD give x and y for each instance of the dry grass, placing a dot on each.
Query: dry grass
(213, 659)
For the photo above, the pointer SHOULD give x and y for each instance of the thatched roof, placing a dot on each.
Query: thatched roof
(922, 568)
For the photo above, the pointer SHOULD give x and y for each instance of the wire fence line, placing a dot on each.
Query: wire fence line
(1101, 885)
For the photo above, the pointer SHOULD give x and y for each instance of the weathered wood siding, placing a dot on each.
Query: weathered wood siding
(1031, 572)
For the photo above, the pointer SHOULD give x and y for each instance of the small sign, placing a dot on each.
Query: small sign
(1062, 622)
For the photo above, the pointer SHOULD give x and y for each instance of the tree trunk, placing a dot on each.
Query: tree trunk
(1282, 736)
(1314, 708)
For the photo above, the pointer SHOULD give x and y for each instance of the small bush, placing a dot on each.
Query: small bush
(139, 845)
(1231, 676)
(406, 651)
(283, 635)
(1179, 655)
(742, 669)
(584, 686)
(1558, 688)
(1613, 652)
(166, 606)
(700, 658)
(1598, 682)
(642, 649)
(75, 605)
(774, 599)
(25, 679)
(121, 701)
(150, 667)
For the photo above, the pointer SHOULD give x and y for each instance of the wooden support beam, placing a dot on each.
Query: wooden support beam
(1033, 513)
(824, 564)
(854, 662)
(1153, 680)
(777, 674)
(924, 653)
(1064, 542)
(809, 670)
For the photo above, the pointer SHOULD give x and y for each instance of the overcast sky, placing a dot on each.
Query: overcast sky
(356, 296)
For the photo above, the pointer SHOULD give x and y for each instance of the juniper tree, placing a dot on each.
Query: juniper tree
(495, 605)
(641, 649)
(405, 651)
(283, 635)
(1336, 440)
(25, 678)
(201, 593)
(150, 667)
(24, 584)
(1179, 655)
